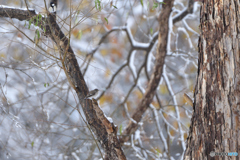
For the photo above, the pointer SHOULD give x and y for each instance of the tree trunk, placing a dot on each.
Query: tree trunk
(215, 124)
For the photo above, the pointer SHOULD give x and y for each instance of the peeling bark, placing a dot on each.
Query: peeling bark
(215, 122)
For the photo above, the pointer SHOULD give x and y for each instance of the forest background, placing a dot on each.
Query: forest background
(115, 44)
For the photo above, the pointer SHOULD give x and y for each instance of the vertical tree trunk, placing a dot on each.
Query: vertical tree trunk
(215, 122)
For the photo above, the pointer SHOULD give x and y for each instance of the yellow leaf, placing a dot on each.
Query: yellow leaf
(156, 105)
(191, 87)
(107, 72)
(165, 115)
(2, 55)
(172, 132)
(170, 108)
(106, 98)
(163, 89)
(175, 124)
(103, 52)
(87, 30)
(138, 94)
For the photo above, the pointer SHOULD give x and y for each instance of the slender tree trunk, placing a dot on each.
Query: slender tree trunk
(215, 122)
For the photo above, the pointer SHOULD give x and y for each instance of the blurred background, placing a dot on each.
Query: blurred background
(39, 119)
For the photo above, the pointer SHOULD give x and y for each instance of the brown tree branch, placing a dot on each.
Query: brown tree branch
(144, 46)
(106, 133)
(19, 14)
(157, 73)
(183, 14)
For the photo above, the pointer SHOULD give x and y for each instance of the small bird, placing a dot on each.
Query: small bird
(92, 93)
(53, 7)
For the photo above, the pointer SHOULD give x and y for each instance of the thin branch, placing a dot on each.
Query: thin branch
(157, 72)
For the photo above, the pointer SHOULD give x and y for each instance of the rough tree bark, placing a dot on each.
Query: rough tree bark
(215, 122)
(104, 130)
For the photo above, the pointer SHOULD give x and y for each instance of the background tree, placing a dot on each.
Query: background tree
(215, 122)
(115, 44)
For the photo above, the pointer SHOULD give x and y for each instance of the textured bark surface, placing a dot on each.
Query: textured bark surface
(104, 130)
(215, 122)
